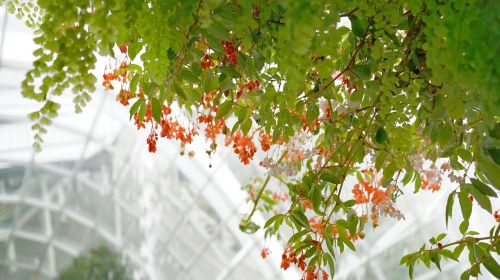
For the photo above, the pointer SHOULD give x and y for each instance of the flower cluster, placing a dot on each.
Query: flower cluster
(288, 257)
(280, 197)
(230, 52)
(243, 146)
(152, 138)
(348, 85)
(206, 62)
(250, 86)
(317, 226)
(295, 152)
(370, 191)
(264, 252)
(431, 176)
(265, 140)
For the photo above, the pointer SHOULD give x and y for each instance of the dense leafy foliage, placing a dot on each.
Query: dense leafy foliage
(99, 263)
(385, 93)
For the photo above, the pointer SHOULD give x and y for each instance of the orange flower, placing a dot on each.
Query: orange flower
(243, 146)
(306, 203)
(265, 141)
(264, 252)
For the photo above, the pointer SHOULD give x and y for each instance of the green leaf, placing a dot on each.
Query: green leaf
(316, 199)
(331, 264)
(449, 206)
(248, 227)
(380, 159)
(465, 275)
(246, 126)
(464, 225)
(381, 136)
(449, 254)
(272, 220)
(465, 204)
(328, 239)
(134, 82)
(156, 109)
(134, 67)
(435, 259)
(482, 199)
(142, 111)
(224, 108)
(301, 218)
(440, 237)
(458, 250)
(328, 177)
(188, 76)
(492, 266)
(349, 243)
(357, 26)
(134, 49)
(490, 170)
(483, 188)
(297, 236)
(445, 134)
(362, 70)
(137, 104)
(353, 224)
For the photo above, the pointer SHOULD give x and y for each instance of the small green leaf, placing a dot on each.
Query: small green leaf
(134, 82)
(463, 226)
(156, 109)
(482, 199)
(272, 220)
(449, 254)
(188, 76)
(436, 259)
(490, 170)
(134, 67)
(440, 237)
(357, 26)
(445, 134)
(248, 227)
(246, 126)
(301, 218)
(331, 264)
(137, 104)
(465, 204)
(362, 70)
(316, 199)
(465, 275)
(297, 236)
(328, 177)
(492, 266)
(483, 188)
(224, 108)
(381, 135)
(458, 250)
(142, 111)
(449, 206)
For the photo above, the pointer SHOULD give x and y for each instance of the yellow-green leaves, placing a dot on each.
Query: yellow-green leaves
(224, 108)
(358, 26)
(449, 206)
(465, 204)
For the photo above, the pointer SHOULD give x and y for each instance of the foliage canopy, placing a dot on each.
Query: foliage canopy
(388, 93)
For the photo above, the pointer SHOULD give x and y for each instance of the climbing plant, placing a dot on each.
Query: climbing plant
(354, 104)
